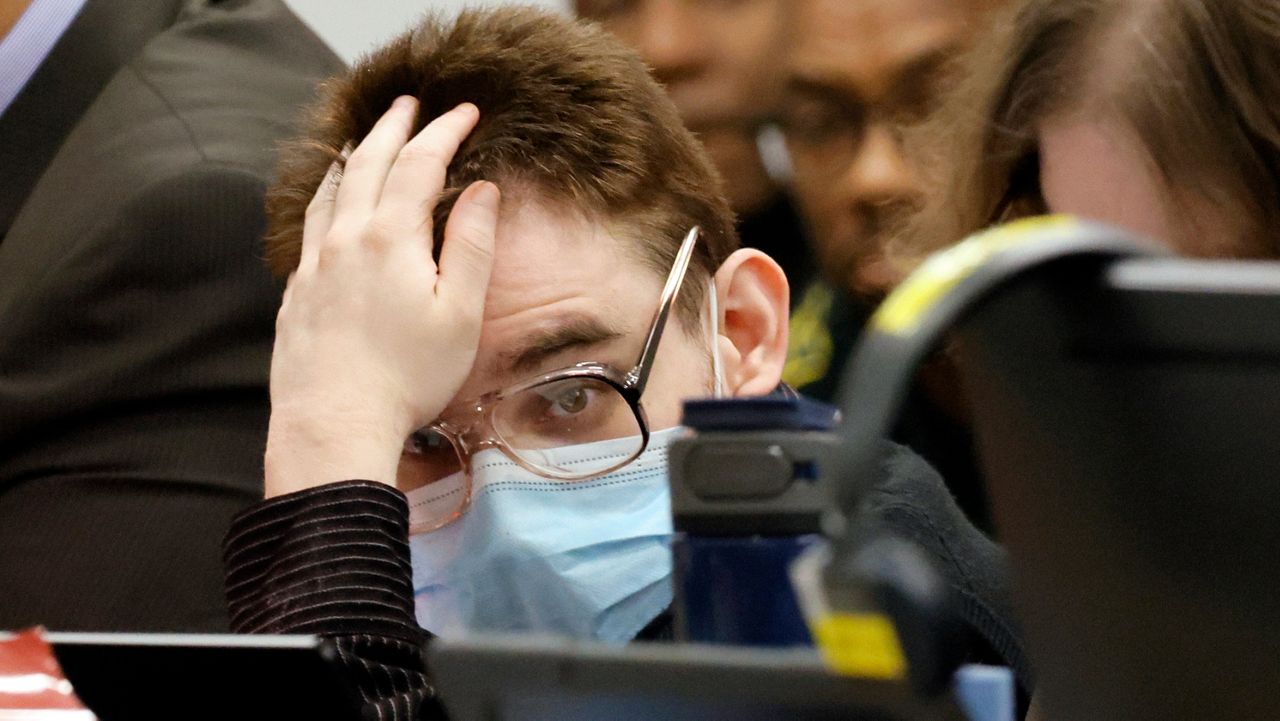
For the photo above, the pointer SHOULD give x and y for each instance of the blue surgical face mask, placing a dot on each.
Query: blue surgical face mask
(587, 559)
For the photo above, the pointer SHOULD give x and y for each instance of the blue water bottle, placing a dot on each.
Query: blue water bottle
(747, 492)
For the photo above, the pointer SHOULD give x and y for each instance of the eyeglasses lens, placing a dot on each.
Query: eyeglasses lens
(431, 460)
(569, 412)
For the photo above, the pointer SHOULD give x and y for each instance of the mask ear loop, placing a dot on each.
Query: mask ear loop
(716, 368)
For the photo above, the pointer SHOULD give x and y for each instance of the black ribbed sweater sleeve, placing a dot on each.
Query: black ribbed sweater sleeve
(333, 561)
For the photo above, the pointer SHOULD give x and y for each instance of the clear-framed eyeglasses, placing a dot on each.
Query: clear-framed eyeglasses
(583, 403)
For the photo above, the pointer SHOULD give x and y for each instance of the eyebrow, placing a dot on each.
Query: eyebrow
(824, 91)
(923, 67)
(578, 331)
(814, 86)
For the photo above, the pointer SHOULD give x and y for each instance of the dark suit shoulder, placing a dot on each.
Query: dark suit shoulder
(236, 76)
(199, 219)
(137, 325)
(207, 99)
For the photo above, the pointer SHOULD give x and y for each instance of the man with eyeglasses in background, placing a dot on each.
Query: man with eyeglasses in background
(857, 72)
(720, 63)
(473, 389)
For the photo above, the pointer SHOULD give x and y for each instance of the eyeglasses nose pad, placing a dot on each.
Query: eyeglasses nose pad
(471, 440)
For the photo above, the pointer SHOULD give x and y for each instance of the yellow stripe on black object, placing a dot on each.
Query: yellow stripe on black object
(900, 314)
(864, 645)
(810, 348)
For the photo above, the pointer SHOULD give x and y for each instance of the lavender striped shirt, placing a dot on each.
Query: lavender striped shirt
(29, 43)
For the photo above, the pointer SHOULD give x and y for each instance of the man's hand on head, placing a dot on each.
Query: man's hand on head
(373, 339)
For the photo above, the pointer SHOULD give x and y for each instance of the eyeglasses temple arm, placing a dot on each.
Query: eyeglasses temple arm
(639, 375)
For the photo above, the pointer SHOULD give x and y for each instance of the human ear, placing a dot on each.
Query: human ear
(753, 298)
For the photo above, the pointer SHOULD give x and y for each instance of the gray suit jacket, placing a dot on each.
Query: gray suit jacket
(136, 315)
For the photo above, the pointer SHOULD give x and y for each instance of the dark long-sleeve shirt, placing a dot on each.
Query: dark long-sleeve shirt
(334, 561)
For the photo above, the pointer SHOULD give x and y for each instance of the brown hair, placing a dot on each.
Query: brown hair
(566, 112)
(1196, 83)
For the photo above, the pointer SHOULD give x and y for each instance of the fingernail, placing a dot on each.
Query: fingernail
(487, 194)
(468, 109)
(404, 103)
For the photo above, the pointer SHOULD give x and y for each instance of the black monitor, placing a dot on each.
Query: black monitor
(1128, 416)
(533, 679)
(149, 677)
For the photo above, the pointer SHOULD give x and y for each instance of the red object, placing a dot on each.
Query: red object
(31, 680)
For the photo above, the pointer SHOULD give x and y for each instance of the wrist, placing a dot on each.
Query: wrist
(305, 451)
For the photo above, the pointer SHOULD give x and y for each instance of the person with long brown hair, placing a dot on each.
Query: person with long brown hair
(1160, 116)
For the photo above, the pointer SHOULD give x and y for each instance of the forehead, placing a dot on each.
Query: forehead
(550, 262)
(861, 46)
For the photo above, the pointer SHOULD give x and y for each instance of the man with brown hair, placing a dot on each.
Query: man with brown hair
(472, 392)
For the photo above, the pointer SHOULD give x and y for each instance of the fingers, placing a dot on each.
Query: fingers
(319, 217)
(466, 258)
(418, 175)
(366, 170)
(288, 290)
